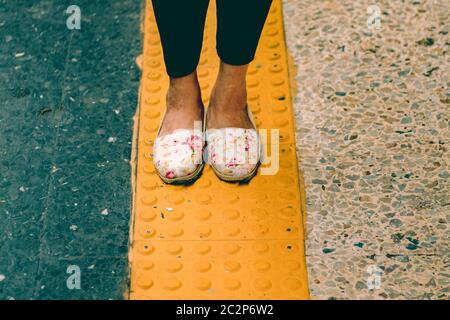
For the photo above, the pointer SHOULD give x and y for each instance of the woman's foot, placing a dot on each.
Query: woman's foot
(178, 149)
(233, 144)
(228, 103)
(184, 104)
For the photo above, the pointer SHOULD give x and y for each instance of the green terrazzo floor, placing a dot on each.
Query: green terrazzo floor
(66, 104)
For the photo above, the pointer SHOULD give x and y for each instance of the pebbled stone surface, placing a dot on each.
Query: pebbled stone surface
(373, 133)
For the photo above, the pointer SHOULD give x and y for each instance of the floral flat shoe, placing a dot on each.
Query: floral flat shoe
(234, 153)
(178, 156)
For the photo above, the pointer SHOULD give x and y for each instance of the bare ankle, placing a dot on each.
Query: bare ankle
(230, 90)
(184, 93)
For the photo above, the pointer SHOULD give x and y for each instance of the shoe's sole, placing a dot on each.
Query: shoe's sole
(183, 180)
(240, 179)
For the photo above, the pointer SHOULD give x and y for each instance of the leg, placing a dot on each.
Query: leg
(233, 150)
(180, 25)
(239, 26)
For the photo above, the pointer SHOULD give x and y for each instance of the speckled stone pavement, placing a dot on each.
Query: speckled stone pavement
(372, 114)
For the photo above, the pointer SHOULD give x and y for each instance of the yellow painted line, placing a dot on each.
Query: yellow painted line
(214, 240)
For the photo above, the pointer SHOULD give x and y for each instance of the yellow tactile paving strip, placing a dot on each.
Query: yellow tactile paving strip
(214, 240)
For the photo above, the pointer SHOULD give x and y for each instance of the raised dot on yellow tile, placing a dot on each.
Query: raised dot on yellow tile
(202, 248)
(262, 284)
(202, 266)
(202, 284)
(147, 215)
(231, 248)
(232, 284)
(174, 248)
(174, 266)
(292, 283)
(232, 266)
(261, 265)
(144, 282)
(172, 284)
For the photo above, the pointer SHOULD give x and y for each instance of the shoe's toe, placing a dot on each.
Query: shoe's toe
(178, 155)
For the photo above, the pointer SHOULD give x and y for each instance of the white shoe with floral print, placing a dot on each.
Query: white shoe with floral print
(179, 156)
(233, 153)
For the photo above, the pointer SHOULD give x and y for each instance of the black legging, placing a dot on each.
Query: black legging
(181, 23)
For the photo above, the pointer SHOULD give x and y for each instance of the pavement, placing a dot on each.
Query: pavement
(66, 105)
(373, 132)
